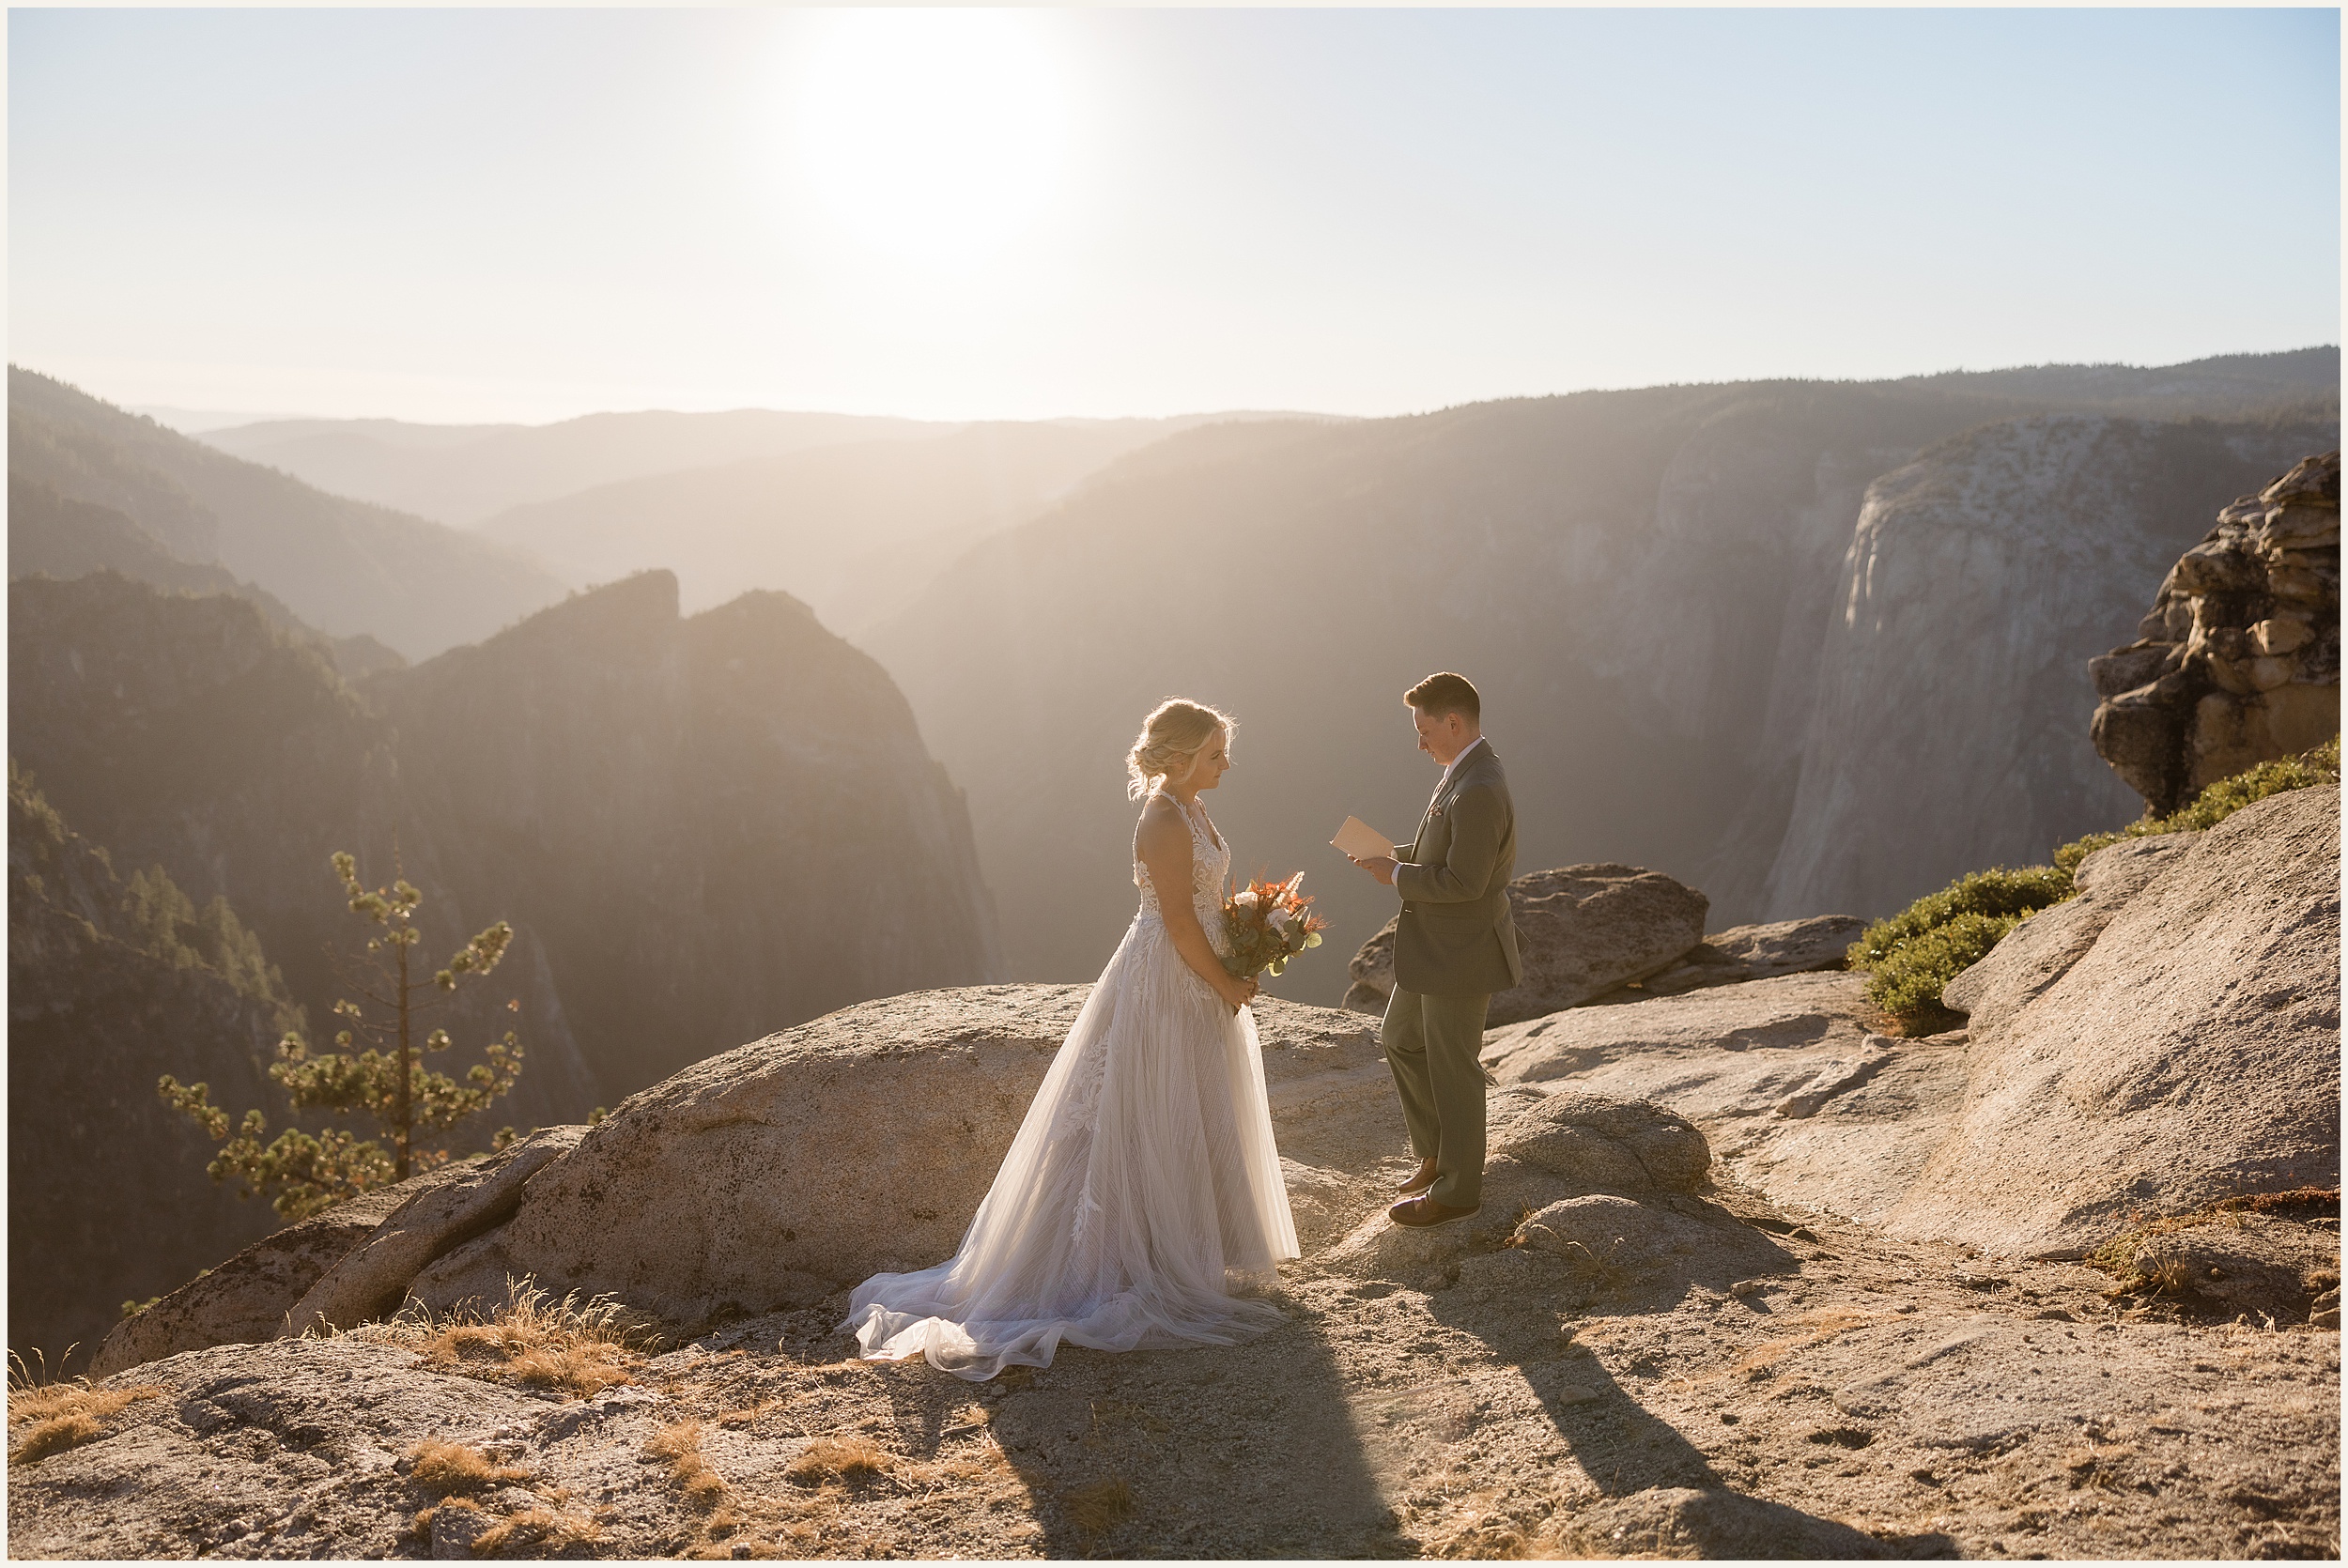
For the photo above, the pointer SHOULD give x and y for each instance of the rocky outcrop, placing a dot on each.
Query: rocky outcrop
(2162, 1050)
(756, 786)
(2238, 661)
(1795, 1095)
(772, 1174)
(1580, 929)
(372, 1279)
(1587, 1178)
(1762, 952)
(1636, 1359)
(252, 1295)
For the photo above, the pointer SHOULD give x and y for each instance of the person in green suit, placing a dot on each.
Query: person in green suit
(1455, 945)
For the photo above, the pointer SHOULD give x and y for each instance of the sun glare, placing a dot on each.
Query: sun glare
(934, 136)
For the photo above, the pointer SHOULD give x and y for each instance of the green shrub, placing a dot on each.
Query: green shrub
(1906, 983)
(1913, 954)
(2220, 801)
(1993, 893)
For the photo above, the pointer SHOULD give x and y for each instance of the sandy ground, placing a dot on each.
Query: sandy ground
(1875, 1399)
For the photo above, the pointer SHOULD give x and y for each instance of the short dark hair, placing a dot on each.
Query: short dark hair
(1446, 693)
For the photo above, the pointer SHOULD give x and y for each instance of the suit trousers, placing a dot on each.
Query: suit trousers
(1434, 1044)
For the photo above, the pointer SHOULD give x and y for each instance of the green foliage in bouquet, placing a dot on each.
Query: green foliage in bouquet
(1266, 924)
(387, 1081)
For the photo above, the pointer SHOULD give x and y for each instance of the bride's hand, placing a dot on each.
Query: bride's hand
(1238, 994)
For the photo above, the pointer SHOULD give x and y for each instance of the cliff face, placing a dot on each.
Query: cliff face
(1949, 729)
(718, 825)
(695, 826)
(1647, 586)
(698, 829)
(107, 1196)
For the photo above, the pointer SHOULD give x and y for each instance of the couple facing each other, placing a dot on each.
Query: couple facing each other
(1141, 1205)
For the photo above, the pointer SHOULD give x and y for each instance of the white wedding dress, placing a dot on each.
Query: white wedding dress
(1143, 1187)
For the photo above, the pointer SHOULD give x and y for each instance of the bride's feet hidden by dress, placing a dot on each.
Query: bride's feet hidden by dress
(1419, 1183)
(1427, 1211)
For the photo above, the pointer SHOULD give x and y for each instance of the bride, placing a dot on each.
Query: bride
(1143, 1189)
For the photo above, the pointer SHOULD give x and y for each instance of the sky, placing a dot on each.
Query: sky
(471, 215)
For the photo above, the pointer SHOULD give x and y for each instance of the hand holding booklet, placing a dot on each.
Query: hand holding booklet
(1362, 841)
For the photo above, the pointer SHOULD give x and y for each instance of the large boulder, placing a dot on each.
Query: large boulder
(2238, 660)
(784, 1169)
(770, 1176)
(373, 1278)
(2178, 1043)
(251, 1297)
(1582, 930)
(1609, 1146)
(1761, 952)
(1795, 1096)
(340, 1267)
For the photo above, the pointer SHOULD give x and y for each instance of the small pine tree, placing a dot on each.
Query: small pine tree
(304, 1174)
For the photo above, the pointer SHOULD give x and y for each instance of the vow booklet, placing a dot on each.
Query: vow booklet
(1362, 841)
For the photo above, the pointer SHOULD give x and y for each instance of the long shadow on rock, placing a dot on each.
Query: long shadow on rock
(1239, 1452)
(1662, 1494)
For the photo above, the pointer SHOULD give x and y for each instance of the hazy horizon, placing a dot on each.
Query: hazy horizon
(199, 420)
(530, 216)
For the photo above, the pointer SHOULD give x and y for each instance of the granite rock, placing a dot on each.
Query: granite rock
(1582, 930)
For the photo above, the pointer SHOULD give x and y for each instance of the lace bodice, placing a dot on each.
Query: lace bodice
(1210, 863)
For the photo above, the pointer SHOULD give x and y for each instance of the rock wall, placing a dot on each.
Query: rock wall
(700, 830)
(1650, 589)
(718, 825)
(187, 732)
(1949, 727)
(2238, 661)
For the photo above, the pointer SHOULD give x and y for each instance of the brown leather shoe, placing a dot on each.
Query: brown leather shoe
(1427, 1211)
(1418, 1183)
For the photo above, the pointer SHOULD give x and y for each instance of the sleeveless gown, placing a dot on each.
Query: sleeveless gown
(1143, 1187)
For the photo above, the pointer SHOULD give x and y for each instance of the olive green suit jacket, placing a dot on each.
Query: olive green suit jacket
(1457, 936)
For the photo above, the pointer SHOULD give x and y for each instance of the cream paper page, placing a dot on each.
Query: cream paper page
(1362, 841)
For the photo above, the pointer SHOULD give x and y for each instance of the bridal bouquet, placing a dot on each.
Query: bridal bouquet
(1266, 924)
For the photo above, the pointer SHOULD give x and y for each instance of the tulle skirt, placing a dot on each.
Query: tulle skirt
(1142, 1191)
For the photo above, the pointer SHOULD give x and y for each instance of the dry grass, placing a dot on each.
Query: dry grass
(540, 1531)
(444, 1468)
(50, 1418)
(840, 1459)
(1100, 1507)
(680, 1448)
(580, 1348)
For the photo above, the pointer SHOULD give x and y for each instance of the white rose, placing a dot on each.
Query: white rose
(1278, 921)
(1246, 900)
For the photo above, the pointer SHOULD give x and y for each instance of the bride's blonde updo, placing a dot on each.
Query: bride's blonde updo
(1175, 732)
